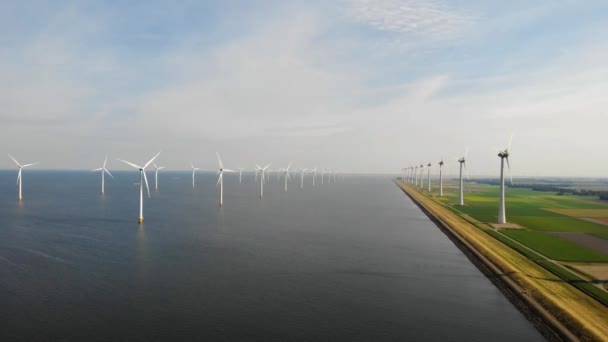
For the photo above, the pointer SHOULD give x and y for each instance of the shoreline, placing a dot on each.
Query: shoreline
(551, 305)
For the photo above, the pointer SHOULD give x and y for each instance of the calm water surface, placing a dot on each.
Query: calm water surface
(350, 261)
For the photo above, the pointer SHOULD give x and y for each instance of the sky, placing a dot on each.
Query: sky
(367, 86)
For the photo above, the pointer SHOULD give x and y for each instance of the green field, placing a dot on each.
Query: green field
(555, 247)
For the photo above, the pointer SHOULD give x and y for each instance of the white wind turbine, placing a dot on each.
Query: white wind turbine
(314, 175)
(142, 179)
(428, 181)
(262, 171)
(241, 175)
(220, 179)
(19, 176)
(504, 155)
(302, 177)
(156, 168)
(286, 170)
(462, 162)
(194, 169)
(103, 172)
(416, 175)
(322, 176)
(441, 163)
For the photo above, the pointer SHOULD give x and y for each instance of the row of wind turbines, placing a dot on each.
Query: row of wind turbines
(262, 172)
(414, 175)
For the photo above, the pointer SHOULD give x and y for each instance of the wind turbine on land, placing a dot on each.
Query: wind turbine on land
(428, 181)
(103, 172)
(262, 171)
(19, 177)
(462, 162)
(441, 178)
(504, 155)
(156, 168)
(416, 175)
(302, 177)
(142, 179)
(220, 179)
(421, 179)
(194, 169)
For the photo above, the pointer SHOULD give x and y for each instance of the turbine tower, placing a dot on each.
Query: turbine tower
(504, 155)
(241, 175)
(103, 172)
(194, 169)
(302, 178)
(156, 168)
(441, 178)
(220, 178)
(416, 176)
(142, 179)
(462, 162)
(19, 177)
(314, 175)
(428, 181)
(421, 179)
(286, 170)
(262, 171)
(322, 176)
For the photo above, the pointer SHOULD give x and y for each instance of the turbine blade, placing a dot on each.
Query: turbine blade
(32, 164)
(509, 168)
(105, 161)
(15, 160)
(108, 172)
(219, 179)
(219, 160)
(510, 141)
(131, 164)
(151, 160)
(265, 167)
(226, 170)
(258, 166)
(146, 180)
(97, 169)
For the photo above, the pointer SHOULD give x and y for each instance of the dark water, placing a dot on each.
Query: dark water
(351, 261)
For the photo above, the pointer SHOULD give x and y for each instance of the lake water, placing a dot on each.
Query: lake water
(349, 261)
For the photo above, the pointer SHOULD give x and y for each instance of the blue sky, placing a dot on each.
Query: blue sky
(369, 86)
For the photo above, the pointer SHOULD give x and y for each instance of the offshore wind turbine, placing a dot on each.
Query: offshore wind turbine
(314, 175)
(220, 178)
(286, 170)
(19, 176)
(262, 171)
(302, 178)
(156, 168)
(441, 178)
(428, 181)
(322, 176)
(462, 162)
(103, 172)
(194, 169)
(241, 175)
(504, 155)
(142, 179)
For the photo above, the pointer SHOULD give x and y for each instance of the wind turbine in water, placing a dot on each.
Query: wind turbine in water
(286, 171)
(194, 169)
(314, 175)
(241, 175)
(463, 164)
(142, 179)
(441, 163)
(428, 180)
(504, 155)
(322, 176)
(156, 168)
(19, 177)
(302, 178)
(220, 179)
(262, 171)
(103, 172)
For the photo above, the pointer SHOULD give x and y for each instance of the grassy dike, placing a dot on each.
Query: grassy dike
(571, 314)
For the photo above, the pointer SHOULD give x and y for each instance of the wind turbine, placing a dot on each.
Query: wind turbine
(416, 175)
(194, 169)
(142, 179)
(428, 181)
(156, 168)
(286, 170)
(19, 177)
(421, 179)
(462, 162)
(504, 155)
(314, 175)
(262, 171)
(302, 178)
(241, 175)
(322, 176)
(441, 178)
(334, 172)
(103, 172)
(220, 179)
